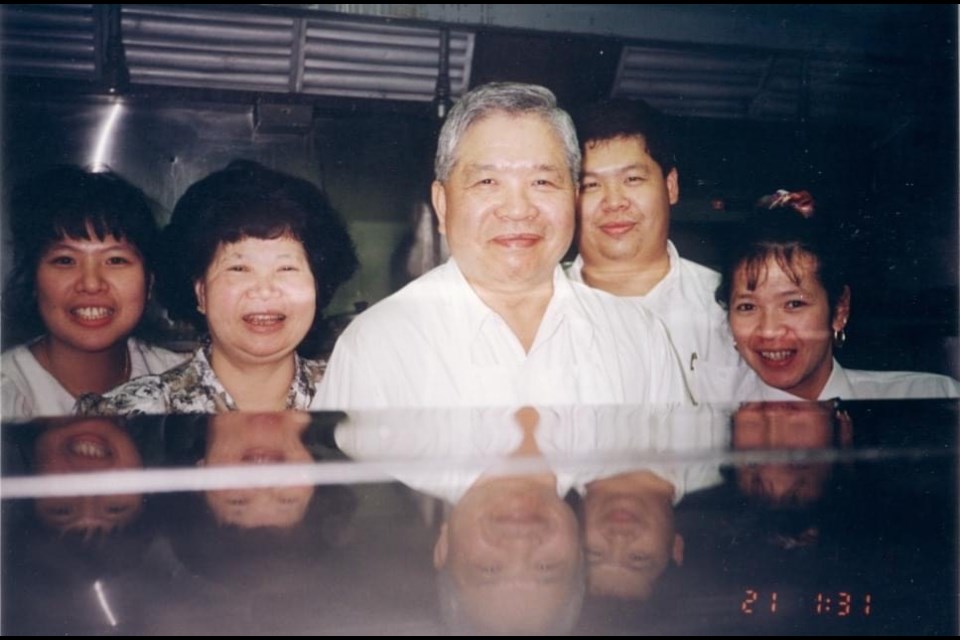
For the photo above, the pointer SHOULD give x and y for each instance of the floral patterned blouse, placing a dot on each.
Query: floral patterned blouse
(192, 387)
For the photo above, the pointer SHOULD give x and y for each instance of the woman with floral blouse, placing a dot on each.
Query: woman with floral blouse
(251, 258)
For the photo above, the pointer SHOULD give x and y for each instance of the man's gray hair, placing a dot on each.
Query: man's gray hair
(504, 97)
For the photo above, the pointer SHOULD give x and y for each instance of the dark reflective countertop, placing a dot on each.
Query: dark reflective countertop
(811, 518)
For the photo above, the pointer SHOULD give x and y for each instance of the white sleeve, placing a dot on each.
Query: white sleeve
(350, 380)
(14, 405)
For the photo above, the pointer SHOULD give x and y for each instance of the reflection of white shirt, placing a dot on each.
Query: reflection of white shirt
(435, 343)
(29, 390)
(681, 445)
(441, 452)
(684, 300)
(444, 452)
(850, 384)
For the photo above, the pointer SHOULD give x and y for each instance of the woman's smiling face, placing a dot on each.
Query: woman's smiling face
(91, 292)
(783, 326)
(259, 297)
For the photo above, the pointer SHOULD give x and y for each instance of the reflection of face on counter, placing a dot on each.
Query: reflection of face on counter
(87, 445)
(249, 439)
(509, 554)
(629, 534)
(787, 425)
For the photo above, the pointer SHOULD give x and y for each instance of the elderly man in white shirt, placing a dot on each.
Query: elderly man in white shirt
(628, 185)
(499, 324)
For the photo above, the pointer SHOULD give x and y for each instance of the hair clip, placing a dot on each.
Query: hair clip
(800, 201)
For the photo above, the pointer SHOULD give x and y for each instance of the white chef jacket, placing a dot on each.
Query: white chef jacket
(684, 300)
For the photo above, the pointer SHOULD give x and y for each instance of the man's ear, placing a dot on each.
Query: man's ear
(200, 290)
(440, 549)
(678, 549)
(438, 196)
(673, 186)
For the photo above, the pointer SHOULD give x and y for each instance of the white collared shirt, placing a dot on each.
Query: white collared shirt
(851, 384)
(435, 343)
(29, 390)
(684, 301)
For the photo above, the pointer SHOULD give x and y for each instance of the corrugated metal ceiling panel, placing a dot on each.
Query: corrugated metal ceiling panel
(762, 85)
(280, 50)
(50, 41)
(376, 61)
(207, 48)
(229, 49)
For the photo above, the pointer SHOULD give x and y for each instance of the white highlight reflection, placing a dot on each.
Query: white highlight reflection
(102, 597)
(106, 137)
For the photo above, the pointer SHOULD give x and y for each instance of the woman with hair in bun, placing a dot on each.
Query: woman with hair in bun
(788, 302)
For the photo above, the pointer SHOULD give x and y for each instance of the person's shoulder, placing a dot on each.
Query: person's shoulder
(150, 358)
(574, 269)
(14, 352)
(701, 272)
(313, 368)
(16, 401)
(624, 322)
(698, 288)
(142, 395)
(28, 390)
(606, 307)
(13, 361)
(700, 281)
(16, 358)
(901, 384)
(409, 309)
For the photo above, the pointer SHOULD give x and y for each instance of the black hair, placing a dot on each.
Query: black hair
(786, 236)
(232, 554)
(248, 200)
(618, 118)
(68, 202)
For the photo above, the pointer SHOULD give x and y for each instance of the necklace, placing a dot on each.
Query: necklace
(46, 360)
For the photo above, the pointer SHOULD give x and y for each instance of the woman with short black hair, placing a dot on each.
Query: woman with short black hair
(252, 258)
(84, 253)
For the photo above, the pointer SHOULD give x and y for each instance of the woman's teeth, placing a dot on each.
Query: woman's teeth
(264, 318)
(92, 313)
(87, 449)
(776, 355)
